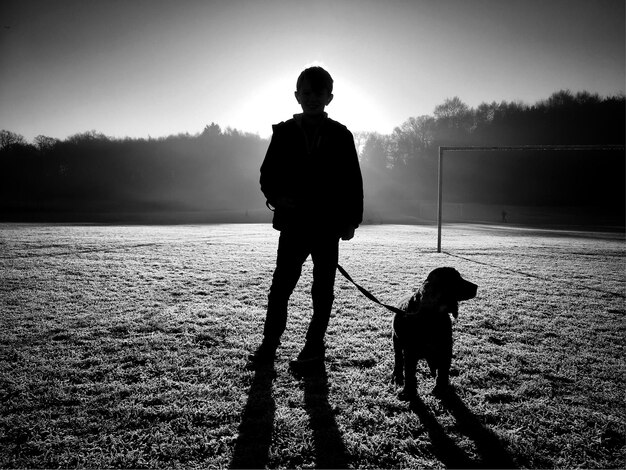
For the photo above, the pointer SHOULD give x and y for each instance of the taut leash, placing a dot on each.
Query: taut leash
(367, 293)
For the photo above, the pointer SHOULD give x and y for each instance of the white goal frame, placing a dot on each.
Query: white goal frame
(444, 149)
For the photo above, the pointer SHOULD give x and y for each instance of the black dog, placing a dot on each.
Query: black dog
(424, 330)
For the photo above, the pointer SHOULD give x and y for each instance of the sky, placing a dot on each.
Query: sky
(152, 68)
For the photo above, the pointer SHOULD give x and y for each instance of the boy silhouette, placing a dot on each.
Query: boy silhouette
(312, 181)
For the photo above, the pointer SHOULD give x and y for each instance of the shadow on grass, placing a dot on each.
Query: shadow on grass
(488, 444)
(330, 450)
(444, 448)
(257, 424)
(489, 447)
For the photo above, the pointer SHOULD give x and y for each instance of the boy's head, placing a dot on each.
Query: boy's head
(314, 90)
(318, 78)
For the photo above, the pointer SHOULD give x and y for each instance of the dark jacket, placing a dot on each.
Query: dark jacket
(322, 177)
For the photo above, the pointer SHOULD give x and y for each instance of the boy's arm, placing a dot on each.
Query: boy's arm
(273, 176)
(355, 186)
(269, 171)
(352, 192)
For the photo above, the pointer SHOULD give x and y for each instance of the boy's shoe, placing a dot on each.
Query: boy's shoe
(262, 357)
(310, 358)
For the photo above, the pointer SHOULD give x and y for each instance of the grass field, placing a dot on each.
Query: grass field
(124, 346)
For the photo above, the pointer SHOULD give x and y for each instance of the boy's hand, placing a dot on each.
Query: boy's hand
(348, 234)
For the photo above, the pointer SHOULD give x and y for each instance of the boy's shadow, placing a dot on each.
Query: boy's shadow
(488, 445)
(257, 424)
(330, 450)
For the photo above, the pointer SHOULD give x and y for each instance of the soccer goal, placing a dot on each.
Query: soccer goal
(444, 150)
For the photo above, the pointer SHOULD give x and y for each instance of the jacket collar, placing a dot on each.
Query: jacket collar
(299, 117)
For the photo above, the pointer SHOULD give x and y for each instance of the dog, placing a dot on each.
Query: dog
(424, 330)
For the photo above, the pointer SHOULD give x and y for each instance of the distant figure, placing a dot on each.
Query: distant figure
(504, 214)
(312, 181)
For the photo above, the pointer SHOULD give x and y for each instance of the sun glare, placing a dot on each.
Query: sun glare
(274, 102)
(268, 104)
(358, 110)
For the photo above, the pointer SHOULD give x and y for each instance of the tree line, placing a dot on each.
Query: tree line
(215, 172)
(92, 176)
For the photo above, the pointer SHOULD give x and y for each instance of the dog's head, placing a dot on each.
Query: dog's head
(444, 288)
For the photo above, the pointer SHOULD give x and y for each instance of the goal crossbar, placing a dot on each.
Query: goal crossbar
(443, 149)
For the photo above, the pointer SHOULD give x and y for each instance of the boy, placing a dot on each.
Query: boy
(312, 181)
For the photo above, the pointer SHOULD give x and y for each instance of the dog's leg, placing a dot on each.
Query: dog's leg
(442, 384)
(410, 381)
(398, 366)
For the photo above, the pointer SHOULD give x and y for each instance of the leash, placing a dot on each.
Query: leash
(367, 293)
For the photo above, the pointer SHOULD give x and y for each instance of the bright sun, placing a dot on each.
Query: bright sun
(274, 102)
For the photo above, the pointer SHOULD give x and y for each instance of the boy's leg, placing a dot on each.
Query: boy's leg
(325, 254)
(292, 253)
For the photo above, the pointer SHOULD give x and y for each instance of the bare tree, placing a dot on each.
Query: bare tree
(45, 143)
(413, 138)
(375, 153)
(8, 139)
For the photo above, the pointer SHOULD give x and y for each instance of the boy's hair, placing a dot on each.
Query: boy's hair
(319, 79)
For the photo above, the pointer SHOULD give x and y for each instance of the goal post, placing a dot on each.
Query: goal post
(444, 149)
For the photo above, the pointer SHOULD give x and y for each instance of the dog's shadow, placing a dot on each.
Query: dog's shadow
(257, 426)
(491, 450)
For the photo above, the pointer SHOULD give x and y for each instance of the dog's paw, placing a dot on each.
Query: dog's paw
(407, 395)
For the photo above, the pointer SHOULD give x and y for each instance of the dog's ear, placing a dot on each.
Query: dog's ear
(439, 293)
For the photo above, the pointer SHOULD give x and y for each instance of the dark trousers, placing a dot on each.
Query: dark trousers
(294, 247)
